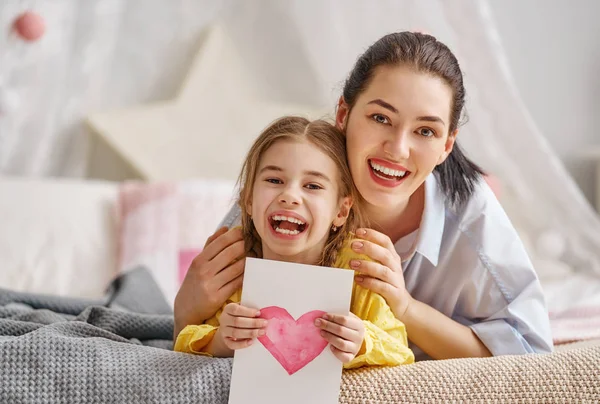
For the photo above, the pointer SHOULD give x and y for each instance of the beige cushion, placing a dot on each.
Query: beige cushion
(57, 236)
(569, 375)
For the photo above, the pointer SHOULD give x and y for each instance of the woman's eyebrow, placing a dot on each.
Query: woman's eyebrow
(384, 104)
(431, 118)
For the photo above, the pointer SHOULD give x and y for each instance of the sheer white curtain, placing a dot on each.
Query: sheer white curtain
(560, 228)
(107, 53)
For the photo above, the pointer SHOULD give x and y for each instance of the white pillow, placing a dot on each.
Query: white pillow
(57, 236)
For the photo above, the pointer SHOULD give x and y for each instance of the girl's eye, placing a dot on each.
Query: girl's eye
(274, 180)
(426, 132)
(313, 186)
(380, 119)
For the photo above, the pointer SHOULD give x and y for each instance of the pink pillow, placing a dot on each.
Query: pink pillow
(494, 184)
(164, 225)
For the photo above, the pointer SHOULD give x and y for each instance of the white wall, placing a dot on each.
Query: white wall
(554, 51)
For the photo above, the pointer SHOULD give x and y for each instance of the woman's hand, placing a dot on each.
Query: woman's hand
(344, 333)
(383, 276)
(214, 275)
(239, 326)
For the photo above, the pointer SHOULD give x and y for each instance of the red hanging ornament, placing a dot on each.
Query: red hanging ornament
(29, 26)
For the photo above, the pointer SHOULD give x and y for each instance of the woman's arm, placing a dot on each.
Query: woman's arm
(437, 335)
(214, 275)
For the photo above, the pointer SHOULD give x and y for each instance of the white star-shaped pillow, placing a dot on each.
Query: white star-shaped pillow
(207, 129)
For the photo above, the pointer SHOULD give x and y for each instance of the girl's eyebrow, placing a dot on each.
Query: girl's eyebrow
(308, 173)
(270, 168)
(317, 174)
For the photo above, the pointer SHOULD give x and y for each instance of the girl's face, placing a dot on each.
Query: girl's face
(396, 133)
(295, 201)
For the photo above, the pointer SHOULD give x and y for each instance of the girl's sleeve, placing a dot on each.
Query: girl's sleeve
(385, 341)
(194, 338)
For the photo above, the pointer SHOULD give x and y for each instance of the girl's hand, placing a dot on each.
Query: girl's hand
(239, 326)
(344, 333)
(383, 276)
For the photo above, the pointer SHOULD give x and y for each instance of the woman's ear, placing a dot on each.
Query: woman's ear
(249, 208)
(341, 114)
(344, 211)
(448, 146)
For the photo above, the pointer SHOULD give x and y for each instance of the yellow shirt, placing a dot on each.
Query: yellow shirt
(385, 341)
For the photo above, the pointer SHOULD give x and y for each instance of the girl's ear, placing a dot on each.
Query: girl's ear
(344, 211)
(341, 114)
(448, 147)
(249, 208)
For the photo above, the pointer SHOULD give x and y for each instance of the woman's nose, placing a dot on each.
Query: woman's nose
(398, 148)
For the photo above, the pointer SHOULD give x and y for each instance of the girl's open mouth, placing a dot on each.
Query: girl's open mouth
(287, 225)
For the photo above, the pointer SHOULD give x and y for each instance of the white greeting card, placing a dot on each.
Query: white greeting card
(292, 363)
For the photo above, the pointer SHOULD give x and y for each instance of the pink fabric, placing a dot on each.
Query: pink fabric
(186, 256)
(164, 225)
(494, 184)
(577, 324)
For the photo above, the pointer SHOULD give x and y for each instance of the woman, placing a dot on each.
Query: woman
(448, 261)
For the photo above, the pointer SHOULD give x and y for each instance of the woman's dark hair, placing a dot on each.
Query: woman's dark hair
(423, 53)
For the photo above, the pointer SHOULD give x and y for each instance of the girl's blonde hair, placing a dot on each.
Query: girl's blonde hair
(328, 139)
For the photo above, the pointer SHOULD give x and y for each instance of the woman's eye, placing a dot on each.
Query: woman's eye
(380, 119)
(426, 132)
(274, 180)
(313, 186)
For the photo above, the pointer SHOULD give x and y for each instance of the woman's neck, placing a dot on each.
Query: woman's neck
(400, 220)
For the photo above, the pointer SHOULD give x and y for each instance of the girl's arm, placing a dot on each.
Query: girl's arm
(233, 327)
(217, 347)
(385, 341)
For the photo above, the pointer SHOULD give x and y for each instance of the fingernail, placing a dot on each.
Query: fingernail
(250, 341)
(359, 279)
(361, 232)
(257, 314)
(264, 323)
(318, 322)
(355, 263)
(357, 245)
(261, 333)
(326, 316)
(323, 333)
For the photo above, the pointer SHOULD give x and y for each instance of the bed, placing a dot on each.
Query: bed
(84, 316)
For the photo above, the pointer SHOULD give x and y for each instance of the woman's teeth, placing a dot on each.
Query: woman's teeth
(387, 171)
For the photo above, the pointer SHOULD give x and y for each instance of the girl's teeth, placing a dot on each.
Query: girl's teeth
(387, 171)
(285, 231)
(281, 218)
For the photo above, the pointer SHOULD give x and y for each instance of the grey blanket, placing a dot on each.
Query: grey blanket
(112, 350)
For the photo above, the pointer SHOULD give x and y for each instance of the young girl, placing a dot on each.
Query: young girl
(296, 201)
(447, 260)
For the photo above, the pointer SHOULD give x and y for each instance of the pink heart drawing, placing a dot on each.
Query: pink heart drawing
(293, 343)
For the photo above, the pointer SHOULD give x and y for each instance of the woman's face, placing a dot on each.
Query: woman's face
(396, 133)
